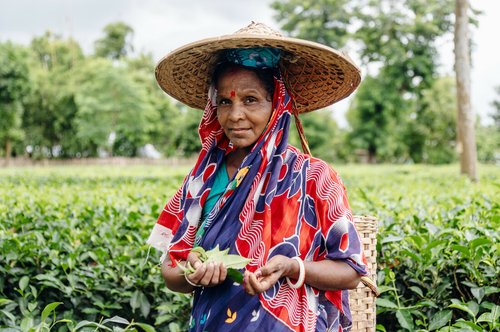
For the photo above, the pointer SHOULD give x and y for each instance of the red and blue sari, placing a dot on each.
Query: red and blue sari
(280, 202)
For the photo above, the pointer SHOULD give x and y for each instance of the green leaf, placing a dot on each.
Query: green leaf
(235, 275)
(391, 238)
(23, 282)
(440, 319)
(486, 317)
(116, 319)
(465, 324)
(461, 307)
(405, 319)
(235, 261)
(490, 317)
(145, 327)
(201, 252)
(462, 249)
(27, 324)
(84, 323)
(384, 288)
(386, 303)
(478, 293)
(48, 309)
(417, 290)
(473, 306)
(145, 305)
(139, 300)
(4, 301)
(134, 300)
(381, 328)
(479, 242)
(488, 290)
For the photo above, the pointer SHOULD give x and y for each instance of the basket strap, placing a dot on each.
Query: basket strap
(370, 284)
(300, 130)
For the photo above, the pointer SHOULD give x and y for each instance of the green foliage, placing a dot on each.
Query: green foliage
(76, 236)
(435, 127)
(397, 38)
(50, 113)
(437, 245)
(185, 137)
(326, 140)
(116, 43)
(14, 89)
(376, 120)
(109, 101)
(488, 143)
(325, 21)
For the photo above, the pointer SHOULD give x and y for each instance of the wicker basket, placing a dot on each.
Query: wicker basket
(362, 299)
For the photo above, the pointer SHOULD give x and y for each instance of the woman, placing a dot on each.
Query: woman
(252, 193)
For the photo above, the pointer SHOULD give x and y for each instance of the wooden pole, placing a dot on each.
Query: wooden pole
(466, 140)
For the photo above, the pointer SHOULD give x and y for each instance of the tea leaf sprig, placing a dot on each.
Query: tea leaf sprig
(232, 262)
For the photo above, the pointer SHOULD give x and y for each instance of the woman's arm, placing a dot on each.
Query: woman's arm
(325, 274)
(205, 274)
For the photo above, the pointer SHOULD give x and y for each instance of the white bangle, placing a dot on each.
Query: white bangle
(302, 275)
(189, 281)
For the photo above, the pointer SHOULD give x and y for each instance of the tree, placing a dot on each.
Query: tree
(14, 90)
(437, 122)
(116, 44)
(465, 117)
(111, 108)
(397, 38)
(376, 121)
(324, 137)
(163, 129)
(49, 116)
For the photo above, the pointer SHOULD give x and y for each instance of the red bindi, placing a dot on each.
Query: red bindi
(233, 93)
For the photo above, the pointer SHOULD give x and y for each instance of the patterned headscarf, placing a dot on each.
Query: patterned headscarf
(280, 201)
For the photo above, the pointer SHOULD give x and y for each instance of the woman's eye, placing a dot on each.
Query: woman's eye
(249, 100)
(223, 102)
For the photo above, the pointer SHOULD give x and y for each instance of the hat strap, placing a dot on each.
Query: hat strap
(300, 130)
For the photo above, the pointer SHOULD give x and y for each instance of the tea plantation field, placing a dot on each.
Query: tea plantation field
(73, 254)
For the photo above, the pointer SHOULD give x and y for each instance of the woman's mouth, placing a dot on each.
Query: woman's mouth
(238, 130)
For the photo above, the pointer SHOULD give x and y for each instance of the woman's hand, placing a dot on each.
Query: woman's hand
(264, 278)
(324, 275)
(206, 274)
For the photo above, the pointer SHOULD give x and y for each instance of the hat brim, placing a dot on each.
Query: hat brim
(315, 75)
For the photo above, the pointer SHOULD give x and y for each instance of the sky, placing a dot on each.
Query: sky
(161, 26)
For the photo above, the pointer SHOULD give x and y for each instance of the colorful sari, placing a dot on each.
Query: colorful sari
(280, 202)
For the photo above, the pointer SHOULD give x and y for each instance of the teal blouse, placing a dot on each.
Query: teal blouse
(218, 189)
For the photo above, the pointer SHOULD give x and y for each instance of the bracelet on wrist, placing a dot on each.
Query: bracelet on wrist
(189, 281)
(302, 275)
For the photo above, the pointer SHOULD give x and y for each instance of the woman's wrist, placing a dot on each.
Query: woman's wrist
(293, 268)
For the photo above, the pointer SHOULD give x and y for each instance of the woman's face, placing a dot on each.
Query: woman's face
(243, 106)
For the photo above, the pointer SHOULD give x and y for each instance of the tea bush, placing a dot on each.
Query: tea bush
(73, 253)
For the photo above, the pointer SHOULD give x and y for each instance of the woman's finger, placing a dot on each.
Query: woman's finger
(207, 277)
(222, 272)
(246, 285)
(215, 275)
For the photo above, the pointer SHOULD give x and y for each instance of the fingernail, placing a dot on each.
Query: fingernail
(258, 274)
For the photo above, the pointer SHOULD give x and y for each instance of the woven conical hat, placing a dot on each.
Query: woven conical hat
(315, 75)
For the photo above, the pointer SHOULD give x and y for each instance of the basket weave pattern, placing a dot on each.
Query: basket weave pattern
(316, 75)
(361, 299)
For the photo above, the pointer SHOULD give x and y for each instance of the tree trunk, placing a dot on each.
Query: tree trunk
(8, 151)
(466, 141)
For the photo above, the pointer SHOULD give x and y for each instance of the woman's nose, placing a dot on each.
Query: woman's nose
(237, 112)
